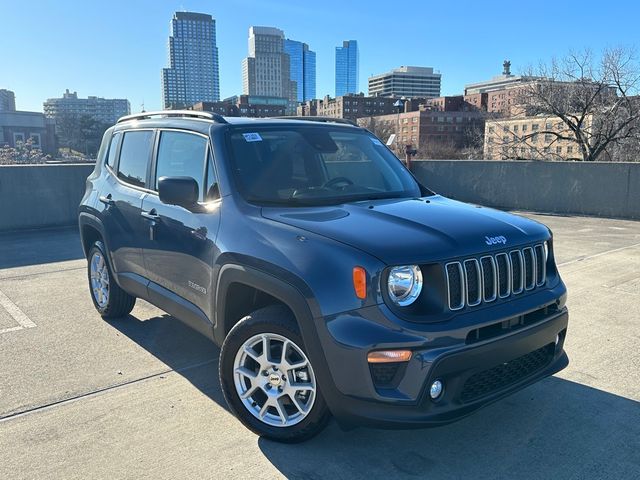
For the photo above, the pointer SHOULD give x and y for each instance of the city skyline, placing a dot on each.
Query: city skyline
(118, 56)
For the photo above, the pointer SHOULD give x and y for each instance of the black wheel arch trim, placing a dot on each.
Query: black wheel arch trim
(293, 298)
(93, 221)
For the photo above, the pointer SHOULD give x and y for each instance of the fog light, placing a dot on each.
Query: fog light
(436, 390)
(557, 340)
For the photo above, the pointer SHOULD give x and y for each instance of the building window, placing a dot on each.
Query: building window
(35, 139)
(18, 138)
(524, 128)
(558, 150)
(490, 129)
(515, 128)
(534, 126)
(569, 149)
(547, 137)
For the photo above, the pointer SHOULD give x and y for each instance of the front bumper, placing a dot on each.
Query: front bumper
(474, 375)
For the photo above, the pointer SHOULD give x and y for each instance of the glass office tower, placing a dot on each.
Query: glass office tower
(347, 68)
(302, 69)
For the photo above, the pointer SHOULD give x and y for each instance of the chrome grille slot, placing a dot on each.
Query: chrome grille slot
(529, 268)
(489, 283)
(541, 271)
(504, 275)
(473, 281)
(455, 285)
(517, 283)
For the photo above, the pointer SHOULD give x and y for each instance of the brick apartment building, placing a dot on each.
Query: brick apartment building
(349, 106)
(425, 127)
(246, 106)
(530, 138)
(456, 103)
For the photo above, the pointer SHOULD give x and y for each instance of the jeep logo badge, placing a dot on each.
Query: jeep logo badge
(495, 240)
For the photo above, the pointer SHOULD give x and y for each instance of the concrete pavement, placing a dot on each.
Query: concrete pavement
(139, 397)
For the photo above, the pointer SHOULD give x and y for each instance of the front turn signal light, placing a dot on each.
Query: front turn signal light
(360, 282)
(389, 356)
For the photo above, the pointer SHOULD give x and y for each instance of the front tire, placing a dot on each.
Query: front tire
(108, 298)
(268, 380)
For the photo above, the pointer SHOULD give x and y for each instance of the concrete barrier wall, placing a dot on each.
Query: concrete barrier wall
(598, 189)
(36, 196)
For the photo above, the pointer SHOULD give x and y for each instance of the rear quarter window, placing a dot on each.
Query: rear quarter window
(134, 157)
(113, 149)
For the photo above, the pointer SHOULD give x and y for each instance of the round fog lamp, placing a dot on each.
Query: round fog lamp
(436, 389)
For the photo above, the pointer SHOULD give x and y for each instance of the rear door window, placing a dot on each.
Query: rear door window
(134, 157)
(182, 154)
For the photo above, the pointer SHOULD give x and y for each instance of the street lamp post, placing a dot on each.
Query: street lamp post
(399, 104)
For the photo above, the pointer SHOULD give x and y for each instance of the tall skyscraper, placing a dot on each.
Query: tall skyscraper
(265, 71)
(347, 65)
(192, 75)
(302, 62)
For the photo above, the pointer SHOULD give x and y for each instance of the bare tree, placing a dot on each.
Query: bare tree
(380, 128)
(593, 98)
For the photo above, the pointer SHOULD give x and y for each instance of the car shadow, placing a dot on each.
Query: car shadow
(181, 348)
(553, 429)
(35, 247)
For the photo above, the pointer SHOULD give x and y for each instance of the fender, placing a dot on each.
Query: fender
(86, 218)
(295, 300)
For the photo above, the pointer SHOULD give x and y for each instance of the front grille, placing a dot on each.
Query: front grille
(509, 373)
(473, 281)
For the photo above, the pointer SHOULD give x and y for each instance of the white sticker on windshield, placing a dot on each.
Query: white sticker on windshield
(376, 141)
(252, 137)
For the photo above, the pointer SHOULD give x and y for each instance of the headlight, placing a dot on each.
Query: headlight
(404, 284)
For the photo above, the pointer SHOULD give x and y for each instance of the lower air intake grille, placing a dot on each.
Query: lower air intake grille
(501, 376)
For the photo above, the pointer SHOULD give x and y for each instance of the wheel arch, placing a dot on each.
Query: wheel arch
(92, 230)
(234, 278)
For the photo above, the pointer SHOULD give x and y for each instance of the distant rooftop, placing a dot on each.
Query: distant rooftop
(410, 70)
(192, 16)
(266, 31)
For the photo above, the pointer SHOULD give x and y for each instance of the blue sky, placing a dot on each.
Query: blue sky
(116, 48)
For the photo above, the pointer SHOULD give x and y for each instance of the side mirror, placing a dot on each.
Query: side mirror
(182, 191)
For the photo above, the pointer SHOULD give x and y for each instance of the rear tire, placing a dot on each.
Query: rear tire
(108, 298)
(268, 380)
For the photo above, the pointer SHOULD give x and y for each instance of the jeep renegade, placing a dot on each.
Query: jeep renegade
(334, 282)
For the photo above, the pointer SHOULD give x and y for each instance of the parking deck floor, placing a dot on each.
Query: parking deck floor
(139, 397)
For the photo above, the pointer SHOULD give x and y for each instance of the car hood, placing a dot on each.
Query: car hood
(416, 230)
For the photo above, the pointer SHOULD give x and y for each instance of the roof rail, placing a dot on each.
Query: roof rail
(345, 121)
(174, 113)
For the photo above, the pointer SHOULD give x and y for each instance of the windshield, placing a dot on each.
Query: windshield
(316, 165)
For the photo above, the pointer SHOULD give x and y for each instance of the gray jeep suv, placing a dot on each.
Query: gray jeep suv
(333, 281)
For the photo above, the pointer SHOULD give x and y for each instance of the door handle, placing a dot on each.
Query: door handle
(107, 200)
(151, 215)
